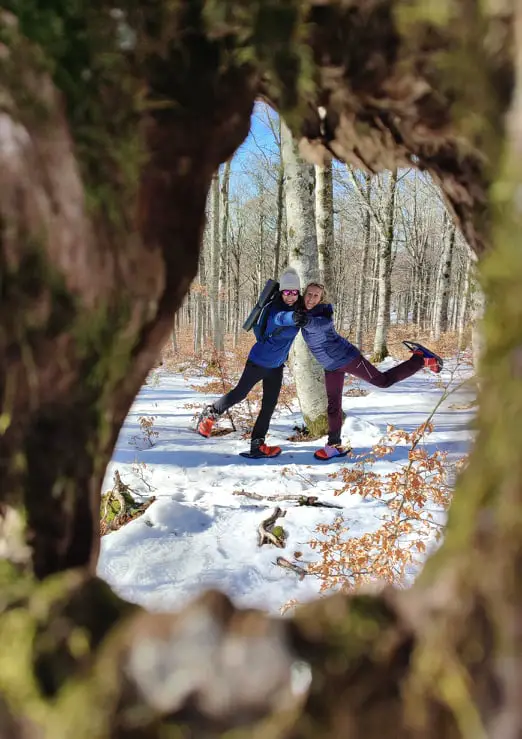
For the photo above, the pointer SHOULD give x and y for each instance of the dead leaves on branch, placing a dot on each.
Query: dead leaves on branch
(148, 435)
(415, 496)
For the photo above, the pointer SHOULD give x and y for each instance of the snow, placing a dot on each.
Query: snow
(199, 535)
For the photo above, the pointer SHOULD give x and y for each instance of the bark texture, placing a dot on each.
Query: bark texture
(324, 221)
(111, 125)
(440, 311)
(303, 255)
(380, 348)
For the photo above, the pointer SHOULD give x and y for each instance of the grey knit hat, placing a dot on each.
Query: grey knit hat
(289, 280)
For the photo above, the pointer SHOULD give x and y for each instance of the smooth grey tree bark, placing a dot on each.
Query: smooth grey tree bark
(440, 312)
(362, 285)
(324, 221)
(463, 303)
(380, 349)
(303, 256)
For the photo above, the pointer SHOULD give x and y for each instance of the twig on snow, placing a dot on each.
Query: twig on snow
(300, 571)
(302, 500)
(313, 500)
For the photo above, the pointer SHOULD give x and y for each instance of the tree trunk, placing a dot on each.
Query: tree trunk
(380, 349)
(363, 268)
(91, 273)
(215, 261)
(280, 209)
(463, 304)
(199, 320)
(223, 248)
(324, 221)
(478, 307)
(261, 249)
(303, 256)
(440, 317)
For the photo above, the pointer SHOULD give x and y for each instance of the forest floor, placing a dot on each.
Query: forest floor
(201, 531)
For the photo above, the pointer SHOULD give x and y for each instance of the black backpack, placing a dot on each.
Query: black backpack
(258, 318)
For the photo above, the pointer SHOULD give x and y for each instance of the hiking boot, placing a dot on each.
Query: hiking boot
(329, 451)
(206, 420)
(259, 449)
(431, 360)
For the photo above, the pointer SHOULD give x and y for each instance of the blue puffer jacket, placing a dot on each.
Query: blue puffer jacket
(280, 332)
(331, 350)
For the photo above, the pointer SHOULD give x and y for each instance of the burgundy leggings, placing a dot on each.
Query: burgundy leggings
(364, 370)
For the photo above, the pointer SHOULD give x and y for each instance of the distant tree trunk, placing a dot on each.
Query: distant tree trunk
(374, 288)
(215, 318)
(235, 263)
(463, 304)
(223, 249)
(440, 313)
(261, 248)
(303, 256)
(478, 306)
(280, 208)
(414, 293)
(324, 221)
(380, 349)
(424, 282)
(199, 322)
(174, 333)
(363, 267)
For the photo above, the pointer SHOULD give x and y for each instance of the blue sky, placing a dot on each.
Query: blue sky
(259, 144)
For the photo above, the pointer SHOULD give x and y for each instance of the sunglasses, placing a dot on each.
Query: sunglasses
(290, 292)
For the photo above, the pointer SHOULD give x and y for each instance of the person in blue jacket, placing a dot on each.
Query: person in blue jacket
(339, 357)
(265, 362)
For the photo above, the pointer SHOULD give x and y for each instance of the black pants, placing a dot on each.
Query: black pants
(272, 380)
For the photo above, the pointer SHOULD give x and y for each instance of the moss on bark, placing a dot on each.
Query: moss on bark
(148, 129)
(316, 427)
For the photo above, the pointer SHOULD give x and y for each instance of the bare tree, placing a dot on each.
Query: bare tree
(380, 349)
(224, 269)
(464, 299)
(362, 281)
(215, 255)
(303, 255)
(440, 317)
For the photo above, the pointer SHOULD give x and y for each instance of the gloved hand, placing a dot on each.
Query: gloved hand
(300, 318)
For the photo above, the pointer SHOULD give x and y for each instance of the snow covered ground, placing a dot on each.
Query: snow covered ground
(198, 534)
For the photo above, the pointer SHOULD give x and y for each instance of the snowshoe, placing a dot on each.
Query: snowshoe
(260, 450)
(259, 454)
(432, 361)
(331, 451)
(205, 422)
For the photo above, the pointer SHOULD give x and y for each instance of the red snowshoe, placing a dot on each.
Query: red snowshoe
(432, 361)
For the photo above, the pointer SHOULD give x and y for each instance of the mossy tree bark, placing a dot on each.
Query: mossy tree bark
(106, 155)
